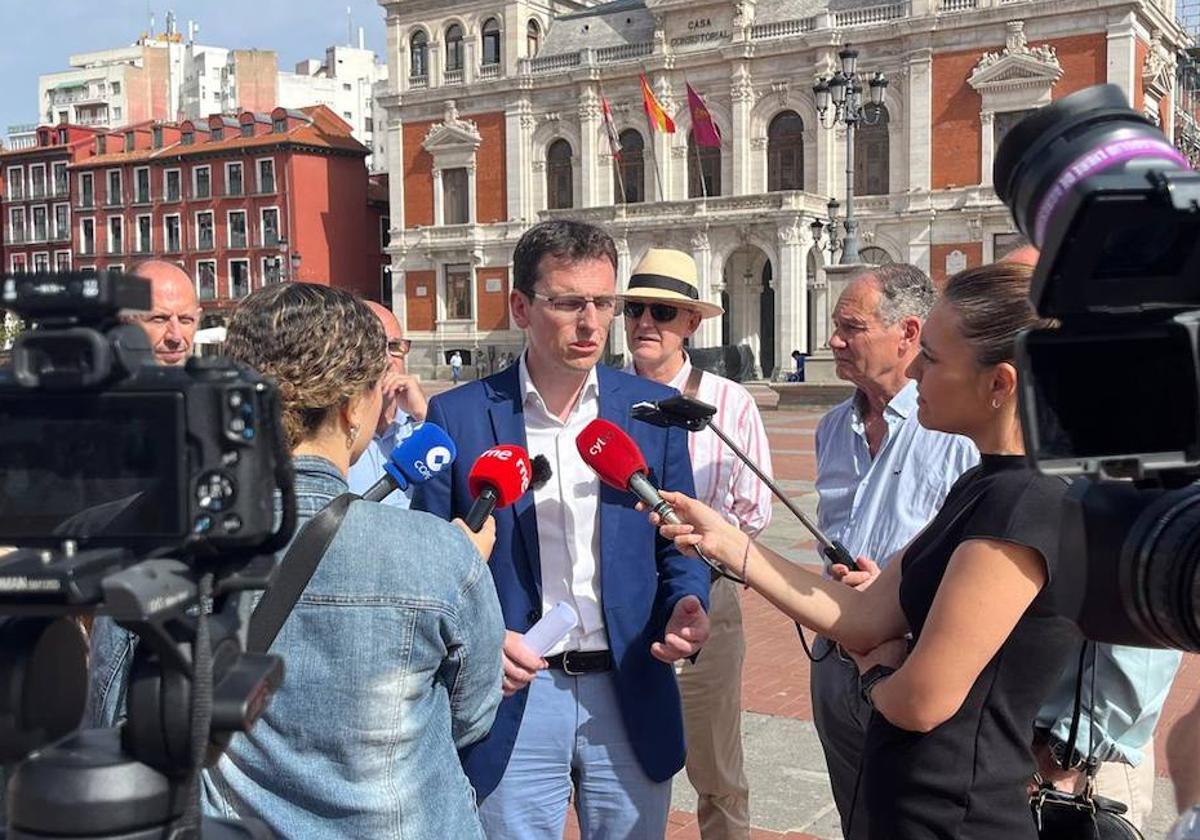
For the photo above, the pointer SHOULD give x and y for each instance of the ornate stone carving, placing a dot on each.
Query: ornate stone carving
(795, 232)
(538, 165)
(589, 105)
(548, 117)
(743, 13)
(1158, 71)
(1018, 64)
(679, 152)
(700, 240)
(452, 132)
(758, 144)
(742, 88)
(781, 90)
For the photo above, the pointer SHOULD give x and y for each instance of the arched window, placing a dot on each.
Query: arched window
(559, 178)
(418, 54)
(533, 38)
(871, 154)
(706, 159)
(491, 42)
(874, 255)
(785, 152)
(454, 47)
(630, 169)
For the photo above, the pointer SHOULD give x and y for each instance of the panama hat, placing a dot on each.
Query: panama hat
(670, 277)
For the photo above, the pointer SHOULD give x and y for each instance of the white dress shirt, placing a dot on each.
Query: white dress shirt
(568, 512)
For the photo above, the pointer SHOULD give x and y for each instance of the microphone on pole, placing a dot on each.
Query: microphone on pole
(417, 458)
(616, 459)
(499, 477)
(684, 412)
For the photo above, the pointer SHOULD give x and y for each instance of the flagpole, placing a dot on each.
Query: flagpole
(653, 143)
(615, 152)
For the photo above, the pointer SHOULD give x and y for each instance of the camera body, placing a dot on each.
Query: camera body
(1112, 396)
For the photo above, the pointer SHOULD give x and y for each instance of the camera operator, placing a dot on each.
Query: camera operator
(171, 327)
(392, 652)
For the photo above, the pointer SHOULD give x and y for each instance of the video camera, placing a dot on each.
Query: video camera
(1112, 396)
(149, 494)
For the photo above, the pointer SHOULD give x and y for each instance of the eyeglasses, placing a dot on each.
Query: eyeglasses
(663, 313)
(575, 304)
(399, 347)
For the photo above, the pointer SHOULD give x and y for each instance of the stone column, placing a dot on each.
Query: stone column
(709, 333)
(742, 94)
(589, 128)
(1123, 68)
(438, 197)
(987, 147)
(395, 147)
(791, 291)
(470, 62)
(518, 128)
(435, 63)
(616, 335)
(920, 120)
(471, 194)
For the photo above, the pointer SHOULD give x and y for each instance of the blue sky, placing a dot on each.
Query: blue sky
(37, 36)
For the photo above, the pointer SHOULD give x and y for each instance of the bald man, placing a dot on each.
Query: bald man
(174, 310)
(404, 405)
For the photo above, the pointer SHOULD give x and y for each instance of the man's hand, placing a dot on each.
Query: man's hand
(1067, 781)
(520, 663)
(403, 391)
(485, 540)
(686, 632)
(860, 580)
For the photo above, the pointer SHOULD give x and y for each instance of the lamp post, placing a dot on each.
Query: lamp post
(839, 100)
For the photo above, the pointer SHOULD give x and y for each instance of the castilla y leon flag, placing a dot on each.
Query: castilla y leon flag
(703, 128)
(614, 142)
(656, 113)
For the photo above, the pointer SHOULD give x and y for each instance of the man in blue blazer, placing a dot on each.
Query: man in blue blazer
(601, 713)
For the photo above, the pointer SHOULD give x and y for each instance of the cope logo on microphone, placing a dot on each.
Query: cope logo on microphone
(434, 460)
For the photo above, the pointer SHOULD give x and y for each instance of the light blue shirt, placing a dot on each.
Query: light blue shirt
(1131, 686)
(876, 505)
(369, 467)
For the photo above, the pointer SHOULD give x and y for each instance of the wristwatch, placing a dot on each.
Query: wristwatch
(867, 681)
(1058, 751)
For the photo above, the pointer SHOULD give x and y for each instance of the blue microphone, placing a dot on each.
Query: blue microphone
(419, 457)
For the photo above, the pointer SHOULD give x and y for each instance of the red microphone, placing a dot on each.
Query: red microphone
(499, 477)
(615, 458)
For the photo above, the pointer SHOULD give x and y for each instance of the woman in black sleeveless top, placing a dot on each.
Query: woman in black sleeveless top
(948, 746)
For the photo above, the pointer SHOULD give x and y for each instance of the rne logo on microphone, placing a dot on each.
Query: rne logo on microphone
(498, 454)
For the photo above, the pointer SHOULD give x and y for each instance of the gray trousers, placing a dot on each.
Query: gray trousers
(841, 718)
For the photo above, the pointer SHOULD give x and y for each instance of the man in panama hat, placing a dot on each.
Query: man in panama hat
(663, 308)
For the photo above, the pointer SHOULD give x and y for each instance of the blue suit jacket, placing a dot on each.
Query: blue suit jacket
(644, 575)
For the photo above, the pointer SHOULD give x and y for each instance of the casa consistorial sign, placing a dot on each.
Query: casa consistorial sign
(694, 29)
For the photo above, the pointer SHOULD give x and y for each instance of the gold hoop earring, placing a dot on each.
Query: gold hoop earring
(351, 437)
(995, 404)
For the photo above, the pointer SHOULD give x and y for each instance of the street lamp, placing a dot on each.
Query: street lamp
(840, 100)
(834, 239)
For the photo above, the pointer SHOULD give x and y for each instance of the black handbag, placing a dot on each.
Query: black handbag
(1080, 816)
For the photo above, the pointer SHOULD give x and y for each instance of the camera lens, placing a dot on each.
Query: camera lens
(1045, 156)
(1160, 570)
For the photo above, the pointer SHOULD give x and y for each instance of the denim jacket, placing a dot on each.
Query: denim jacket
(392, 661)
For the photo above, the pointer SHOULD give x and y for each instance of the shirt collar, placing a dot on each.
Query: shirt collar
(400, 421)
(902, 405)
(529, 391)
(678, 381)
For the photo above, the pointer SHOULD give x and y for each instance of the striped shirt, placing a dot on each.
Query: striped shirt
(723, 482)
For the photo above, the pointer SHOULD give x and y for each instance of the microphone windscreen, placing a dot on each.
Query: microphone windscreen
(424, 453)
(541, 471)
(610, 452)
(504, 467)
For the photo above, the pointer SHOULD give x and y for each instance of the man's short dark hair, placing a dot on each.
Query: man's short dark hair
(564, 239)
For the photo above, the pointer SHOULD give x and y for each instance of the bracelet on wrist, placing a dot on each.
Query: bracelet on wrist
(872, 677)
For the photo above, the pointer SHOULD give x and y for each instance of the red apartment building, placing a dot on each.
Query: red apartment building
(238, 202)
(35, 205)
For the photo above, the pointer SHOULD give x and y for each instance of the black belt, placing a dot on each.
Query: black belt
(575, 662)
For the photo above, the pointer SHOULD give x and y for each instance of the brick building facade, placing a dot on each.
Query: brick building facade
(495, 122)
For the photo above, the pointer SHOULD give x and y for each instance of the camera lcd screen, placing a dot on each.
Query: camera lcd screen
(1113, 395)
(101, 469)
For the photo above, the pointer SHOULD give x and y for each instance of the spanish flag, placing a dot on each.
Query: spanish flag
(655, 112)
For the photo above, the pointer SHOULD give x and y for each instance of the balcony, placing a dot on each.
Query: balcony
(453, 77)
(489, 71)
(418, 82)
(726, 208)
(16, 237)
